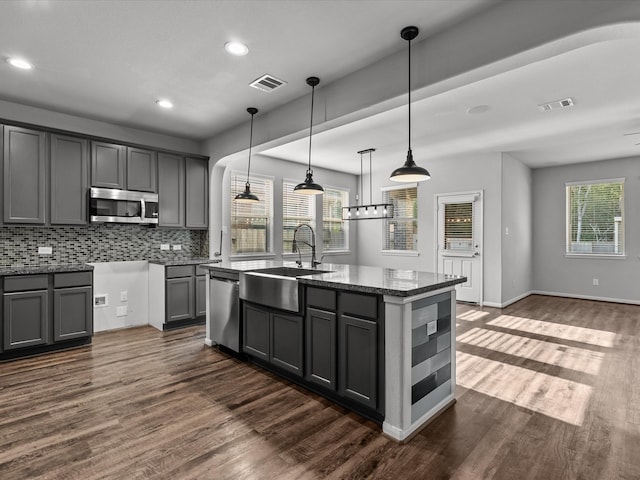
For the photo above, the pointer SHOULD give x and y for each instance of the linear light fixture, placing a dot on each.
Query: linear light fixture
(372, 210)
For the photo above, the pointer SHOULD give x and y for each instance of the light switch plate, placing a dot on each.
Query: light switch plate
(121, 311)
(45, 250)
(177, 247)
(124, 296)
(165, 246)
(432, 327)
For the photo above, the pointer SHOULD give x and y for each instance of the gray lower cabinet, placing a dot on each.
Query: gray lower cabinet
(108, 165)
(255, 332)
(287, 342)
(358, 359)
(171, 185)
(201, 295)
(69, 157)
(72, 313)
(197, 193)
(26, 319)
(180, 295)
(320, 347)
(24, 176)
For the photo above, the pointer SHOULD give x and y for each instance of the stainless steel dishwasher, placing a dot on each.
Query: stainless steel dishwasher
(224, 311)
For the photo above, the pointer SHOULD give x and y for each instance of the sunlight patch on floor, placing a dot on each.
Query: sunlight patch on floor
(552, 396)
(579, 359)
(566, 332)
(472, 315)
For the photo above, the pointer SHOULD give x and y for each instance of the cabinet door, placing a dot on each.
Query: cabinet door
(72, 313)
(201, 296)
(107, 165)
(358, 351)
(287, 342)
(320, 341)
(24, 176)
(180, 294)
(171, 190)
(197, 186)
(69, 180)
(255, 332)
(141, 170)
(26, 318)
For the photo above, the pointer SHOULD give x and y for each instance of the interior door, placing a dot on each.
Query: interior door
(459, 241)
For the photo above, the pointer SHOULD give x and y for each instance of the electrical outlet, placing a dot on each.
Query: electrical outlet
(121, 311)
(177, 247)
(45, 250)
(124, 296)
(165, 246)
(432, 327)
(596, 282)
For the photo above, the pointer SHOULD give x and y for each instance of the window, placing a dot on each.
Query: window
(296, 209)
(595, 218)
(335, 230)
(251, 222)
(401, 231)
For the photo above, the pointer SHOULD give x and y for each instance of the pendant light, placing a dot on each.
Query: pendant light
(372, 210)
(409, 172)
(247, 196)
(309, 187)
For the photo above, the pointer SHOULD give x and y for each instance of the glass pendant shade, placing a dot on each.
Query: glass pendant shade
(410, 172)
(247, 196)
(309, 187)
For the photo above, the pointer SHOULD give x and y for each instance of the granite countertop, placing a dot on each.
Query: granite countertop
(35, 269)
(357, 278)
(170, 262)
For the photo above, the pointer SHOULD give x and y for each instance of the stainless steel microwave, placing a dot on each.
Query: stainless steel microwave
(108, 205)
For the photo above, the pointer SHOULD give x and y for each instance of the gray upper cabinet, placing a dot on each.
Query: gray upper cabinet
(171, 190)
(24, 176)
(69, 180)
(197, 185)
(141, 170)
(108, 165)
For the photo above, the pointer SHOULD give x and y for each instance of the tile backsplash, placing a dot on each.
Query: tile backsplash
(97, 243)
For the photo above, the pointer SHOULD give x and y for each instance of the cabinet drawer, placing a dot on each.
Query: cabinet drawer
(200, 270)
(73, 279)
(179, 271)
(321, 298)
(359, 305)
(26, 282)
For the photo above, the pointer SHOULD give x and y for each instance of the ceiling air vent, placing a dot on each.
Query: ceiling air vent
(565, 102)
(267, 83)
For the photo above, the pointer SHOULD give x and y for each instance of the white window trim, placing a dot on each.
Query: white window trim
(595, 256)
(406, 253)
(340, 251)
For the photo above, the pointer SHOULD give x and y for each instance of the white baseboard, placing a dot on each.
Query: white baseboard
(508, 302)
(208, 342)
(587, 297)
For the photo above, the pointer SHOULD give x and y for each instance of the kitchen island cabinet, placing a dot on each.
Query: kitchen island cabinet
(379, 341)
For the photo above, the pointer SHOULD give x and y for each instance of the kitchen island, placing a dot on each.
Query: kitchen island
(379, 341)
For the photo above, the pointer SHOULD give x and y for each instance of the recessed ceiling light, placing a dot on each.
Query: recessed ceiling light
(164, 103)
(236, 48)
(19, 63)
(478, 109)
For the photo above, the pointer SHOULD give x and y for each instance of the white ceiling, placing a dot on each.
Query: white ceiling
(110, 60)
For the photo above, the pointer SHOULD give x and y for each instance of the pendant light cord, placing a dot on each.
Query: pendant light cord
(361, 182)
(370, 180)
(313, 89)
(409, 91)
(250, 143)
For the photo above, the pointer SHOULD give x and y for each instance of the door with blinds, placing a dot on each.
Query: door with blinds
(459, 236)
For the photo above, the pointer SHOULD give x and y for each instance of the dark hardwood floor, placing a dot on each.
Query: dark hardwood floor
(548, 388)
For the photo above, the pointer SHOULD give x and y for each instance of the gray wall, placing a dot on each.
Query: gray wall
(517, 216)
(279, 170)
(552, 271)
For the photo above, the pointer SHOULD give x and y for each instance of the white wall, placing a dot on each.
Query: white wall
(552, 271)
(112, 278)
(46, 118)
(453, 175)
(517, 216)
(283, 170)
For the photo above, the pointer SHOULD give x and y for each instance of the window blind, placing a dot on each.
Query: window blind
(251, 222)
(296, 209)
(458, 226)
(401, 231)
(595, 218)
(334, 228)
